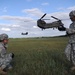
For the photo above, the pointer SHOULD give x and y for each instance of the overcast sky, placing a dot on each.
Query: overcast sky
(17, 16)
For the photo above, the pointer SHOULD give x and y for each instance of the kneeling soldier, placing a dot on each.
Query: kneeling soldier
(5, 59)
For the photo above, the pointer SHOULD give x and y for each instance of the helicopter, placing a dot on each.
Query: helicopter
(24, 33)
(43, 25)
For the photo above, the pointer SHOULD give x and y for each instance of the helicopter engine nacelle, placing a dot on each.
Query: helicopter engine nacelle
(41, 24)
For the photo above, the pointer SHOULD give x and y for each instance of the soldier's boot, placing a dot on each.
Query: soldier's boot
(2, 72)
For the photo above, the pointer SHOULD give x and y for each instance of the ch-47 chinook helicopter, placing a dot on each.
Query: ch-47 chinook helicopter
(43, 25)
(24, 33)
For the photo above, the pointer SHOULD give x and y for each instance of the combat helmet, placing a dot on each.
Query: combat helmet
(3, 36)
(72, 13)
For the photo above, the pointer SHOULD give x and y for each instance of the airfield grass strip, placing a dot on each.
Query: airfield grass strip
(39, 56)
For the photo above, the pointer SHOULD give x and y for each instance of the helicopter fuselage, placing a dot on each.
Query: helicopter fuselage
(43, 25)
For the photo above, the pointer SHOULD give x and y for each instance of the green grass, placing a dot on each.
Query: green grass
(39, 56)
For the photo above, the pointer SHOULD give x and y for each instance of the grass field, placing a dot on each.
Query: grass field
(39, 56)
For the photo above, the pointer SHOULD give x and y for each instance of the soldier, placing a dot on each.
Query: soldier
(5, 59)
(70, 48)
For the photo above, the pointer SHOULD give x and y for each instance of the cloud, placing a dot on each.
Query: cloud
(66, 9)
(71, 8)
(35, 27)
(6, 29)
(60, 8)
(15, 26)
(5, 9)
(33, 12)
(15, 18)
(23, 24)
(45, 3)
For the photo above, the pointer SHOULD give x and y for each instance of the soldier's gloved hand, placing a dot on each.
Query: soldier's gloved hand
(61, 28)
(13, 55)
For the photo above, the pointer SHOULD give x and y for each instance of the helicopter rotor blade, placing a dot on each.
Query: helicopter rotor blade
(29, 21)
(65, 19)
(59, 19)
(43, 16)
(45, 19)
(54, 17)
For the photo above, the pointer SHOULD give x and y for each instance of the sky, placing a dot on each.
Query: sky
(20, 16)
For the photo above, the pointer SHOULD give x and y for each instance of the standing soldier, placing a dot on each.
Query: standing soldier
(5, 59)
(70, 49)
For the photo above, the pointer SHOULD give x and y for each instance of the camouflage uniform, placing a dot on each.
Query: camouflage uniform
(70, 48)
(5, 59)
